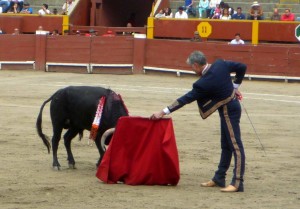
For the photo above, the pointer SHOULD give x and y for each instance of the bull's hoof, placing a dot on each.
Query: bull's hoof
(56, 168)
(72, 166)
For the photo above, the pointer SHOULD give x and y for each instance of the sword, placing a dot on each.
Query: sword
(262, 146)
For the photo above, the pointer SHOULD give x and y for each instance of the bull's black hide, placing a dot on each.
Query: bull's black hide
(73, 108)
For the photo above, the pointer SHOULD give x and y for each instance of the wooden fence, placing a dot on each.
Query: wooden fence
(135, 54)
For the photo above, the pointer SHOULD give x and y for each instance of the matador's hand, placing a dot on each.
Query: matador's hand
(158, 115)
(238, 94)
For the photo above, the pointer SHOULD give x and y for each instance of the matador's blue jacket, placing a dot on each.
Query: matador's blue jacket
(214, 88)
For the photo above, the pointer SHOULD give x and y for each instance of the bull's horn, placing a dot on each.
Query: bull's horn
(105, 135)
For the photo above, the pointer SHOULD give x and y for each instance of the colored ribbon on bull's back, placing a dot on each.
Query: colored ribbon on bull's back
(97, 119)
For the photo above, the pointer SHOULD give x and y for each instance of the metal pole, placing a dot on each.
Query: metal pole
(262, 146)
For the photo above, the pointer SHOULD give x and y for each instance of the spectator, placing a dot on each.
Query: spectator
(230, 9)
(238, 15)
(276, 15)
(132, 19)
(222, 5)
(256, 12)
(189, 8)
(287, 16)
(44, 10)
(13, 8)
(160, 14)
(237, 39)
(211, 9)
(168, 12)
(181, 14)
(40, 31)
(217, 12)
(55, 11)
(129, 25)
(92, 32)
(16, 31)
(66, 32)
(26, 9)
(67, 7)
(196, 37)
(109, 33)
(4, 5)
(2, 31)
(225, 14)
(19, 6)
(55, 33)
(203, 6)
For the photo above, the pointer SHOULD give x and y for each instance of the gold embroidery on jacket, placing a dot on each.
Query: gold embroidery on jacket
(174, 105)
(207, 103)
(216, 106)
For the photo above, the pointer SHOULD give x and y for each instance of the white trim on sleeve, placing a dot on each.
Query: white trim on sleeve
(166, 111)
(236, 85)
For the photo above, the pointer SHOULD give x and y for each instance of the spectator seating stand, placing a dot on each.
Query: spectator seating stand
(267, 6)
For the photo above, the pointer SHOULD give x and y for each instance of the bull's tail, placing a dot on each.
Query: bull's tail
(39, 126)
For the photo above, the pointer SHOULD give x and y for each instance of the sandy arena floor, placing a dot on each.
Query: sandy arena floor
(28, 181)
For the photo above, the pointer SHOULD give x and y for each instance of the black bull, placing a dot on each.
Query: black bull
(73, 108)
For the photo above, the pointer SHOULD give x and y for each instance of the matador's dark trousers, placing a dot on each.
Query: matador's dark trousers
(231, 143)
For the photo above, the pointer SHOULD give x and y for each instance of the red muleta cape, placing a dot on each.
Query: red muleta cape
(141, 152)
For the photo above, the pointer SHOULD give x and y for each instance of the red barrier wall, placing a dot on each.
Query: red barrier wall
(175, 53)
(265, 31)
(102, 30)
(174, 28)
(263, 59)
(68, 49)
(294, 62)
(277, 31)
(120, 48)
(17, 47)
(30, 23)
(9, 23)
(225, 29)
